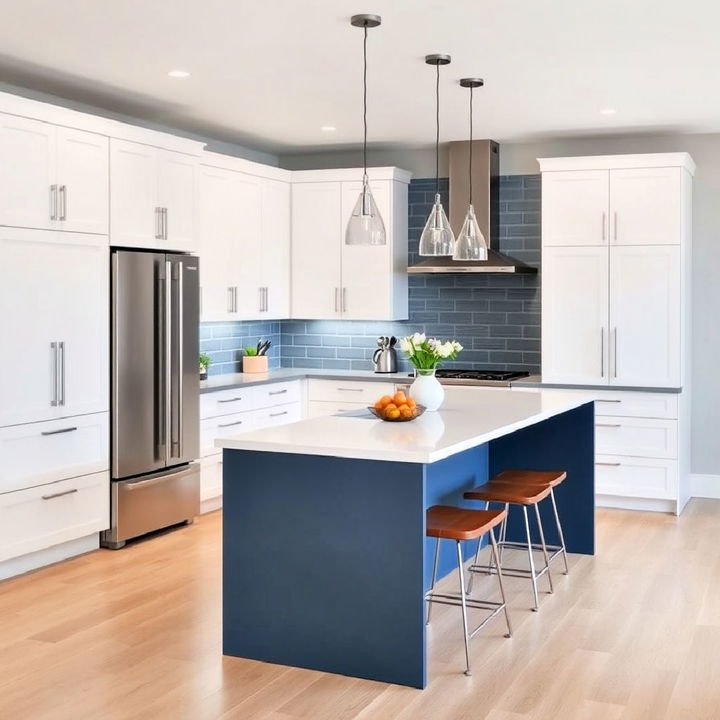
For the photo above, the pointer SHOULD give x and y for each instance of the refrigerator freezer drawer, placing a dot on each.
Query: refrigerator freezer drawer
(152, 502)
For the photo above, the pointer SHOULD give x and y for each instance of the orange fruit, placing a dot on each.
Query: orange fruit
(392, 414)
(411, 402)
(404, 406)
(384, 401)
(400, 398)
(390, 406)
(405, 411)
(378, 405)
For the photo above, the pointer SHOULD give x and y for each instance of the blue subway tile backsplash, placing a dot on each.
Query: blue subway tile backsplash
(495, 317)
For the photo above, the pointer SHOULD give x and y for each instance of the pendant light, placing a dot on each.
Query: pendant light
(365, 226)
(437, 236)
(471, 243)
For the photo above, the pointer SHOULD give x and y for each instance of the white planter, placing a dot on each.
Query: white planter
(426, 389)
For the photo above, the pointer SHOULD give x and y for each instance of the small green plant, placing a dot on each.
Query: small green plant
(250, 351)
(205, 361)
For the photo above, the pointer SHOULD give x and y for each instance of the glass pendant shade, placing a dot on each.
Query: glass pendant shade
(437, 237)
(365, 226)
(471, 243)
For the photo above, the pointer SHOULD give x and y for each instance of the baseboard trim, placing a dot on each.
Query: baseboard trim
(49, 556)
(211, 504)
(635, 503)
(705, 486)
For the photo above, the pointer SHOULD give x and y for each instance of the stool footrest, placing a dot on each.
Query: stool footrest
(510, 572)
(455, 600)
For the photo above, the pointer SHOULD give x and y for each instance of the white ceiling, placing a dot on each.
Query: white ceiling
(270, 74)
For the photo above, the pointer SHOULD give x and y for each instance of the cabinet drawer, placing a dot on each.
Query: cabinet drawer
(225, 402)
(212, 428)
(267, 396)
(211, 477)
(642, 437)
(636, 404)
(278, 415)
(636, 477)
(40, 453)
(321, 408)
(40, 517)
(364, 393)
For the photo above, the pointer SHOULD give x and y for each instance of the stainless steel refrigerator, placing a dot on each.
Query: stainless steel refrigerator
(155, 393)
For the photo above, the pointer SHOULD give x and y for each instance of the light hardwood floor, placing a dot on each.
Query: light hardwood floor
(632, 634)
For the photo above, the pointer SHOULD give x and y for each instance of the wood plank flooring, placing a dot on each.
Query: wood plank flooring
(632, 634)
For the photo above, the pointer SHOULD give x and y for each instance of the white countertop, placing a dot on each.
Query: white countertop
(470, 416)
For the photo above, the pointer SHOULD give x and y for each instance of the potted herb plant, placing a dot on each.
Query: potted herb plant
(205, 362)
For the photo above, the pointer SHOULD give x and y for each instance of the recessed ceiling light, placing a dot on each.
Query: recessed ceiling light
(179, 74)
(608, 111)
(328, 128)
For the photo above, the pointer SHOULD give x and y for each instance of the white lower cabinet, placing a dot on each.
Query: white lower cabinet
(641, 437)
(39, 517)
(636, 477)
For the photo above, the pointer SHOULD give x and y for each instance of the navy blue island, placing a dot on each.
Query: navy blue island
(325, 559)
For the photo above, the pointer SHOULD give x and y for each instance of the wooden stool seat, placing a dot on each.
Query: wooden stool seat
(454, 523)
(509, 493)
(552, 478)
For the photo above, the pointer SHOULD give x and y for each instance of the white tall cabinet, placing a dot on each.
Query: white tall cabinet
(332, 280)
(616, 243)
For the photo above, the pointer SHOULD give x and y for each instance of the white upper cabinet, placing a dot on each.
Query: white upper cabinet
(575, 207)
(617, 312)
(316, 250)
(646, 206)
(152, 197)
(645, 314)
(331, 279)
(575, 315)
(275, 249)
(246, 238)
(54, 293)
(53, 177)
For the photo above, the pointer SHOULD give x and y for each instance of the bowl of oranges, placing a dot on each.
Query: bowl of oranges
(396, 408)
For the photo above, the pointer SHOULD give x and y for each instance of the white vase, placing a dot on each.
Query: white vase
(426, 389)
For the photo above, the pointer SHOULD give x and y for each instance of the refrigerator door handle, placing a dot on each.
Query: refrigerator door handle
(180, 345)
(54, 351)
(168, 361)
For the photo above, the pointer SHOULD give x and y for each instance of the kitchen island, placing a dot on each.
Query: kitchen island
(325, 560)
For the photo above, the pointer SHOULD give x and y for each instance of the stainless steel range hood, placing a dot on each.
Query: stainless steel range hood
(486, 200)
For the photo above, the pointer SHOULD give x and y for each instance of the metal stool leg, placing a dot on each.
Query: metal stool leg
(503, 531)
(434, 576)
(533, 577)
(490, 562)
(500, 582)
(475, 562)
(544, 547)
(464, 608)
(560, 532)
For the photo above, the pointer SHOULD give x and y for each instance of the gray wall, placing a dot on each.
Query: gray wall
(520, 159)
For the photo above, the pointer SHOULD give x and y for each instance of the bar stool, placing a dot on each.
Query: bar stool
(458, 524)
(524, 495)
(551, 478)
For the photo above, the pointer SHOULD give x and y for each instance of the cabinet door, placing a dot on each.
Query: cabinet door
(276, 248)
(575, 207)
(317, 240)
(28, 171)
(53, 288)
(645, 315)
(367, 270)
(246, 246)
(646, 206)
(215, 211)
(177, 175)
(83, 180)
(133, 195)
(575, 315)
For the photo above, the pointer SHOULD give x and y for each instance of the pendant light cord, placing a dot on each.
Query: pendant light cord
(437, 129)
(471, 140)
(365, 105)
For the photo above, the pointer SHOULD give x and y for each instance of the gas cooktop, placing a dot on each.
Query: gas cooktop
(480, 377)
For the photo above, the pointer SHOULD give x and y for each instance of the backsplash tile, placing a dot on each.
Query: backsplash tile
(224, 342)
(495, 317)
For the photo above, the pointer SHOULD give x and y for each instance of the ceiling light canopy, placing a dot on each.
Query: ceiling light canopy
(608, 111)
(328, 128)
(178, 74)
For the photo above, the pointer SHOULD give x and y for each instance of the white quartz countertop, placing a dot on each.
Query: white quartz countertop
(470, 416)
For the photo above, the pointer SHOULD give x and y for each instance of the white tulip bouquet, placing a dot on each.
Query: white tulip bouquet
(427, 353)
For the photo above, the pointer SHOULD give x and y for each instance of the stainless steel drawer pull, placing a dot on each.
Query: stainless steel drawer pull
(284, 412)
(59, 494)
(607, 464)
(53, 202)
(341, 389)
(610, 401)
(278, 392)
(237, 422)
(610, 425)
(58, 432)
(235, 399)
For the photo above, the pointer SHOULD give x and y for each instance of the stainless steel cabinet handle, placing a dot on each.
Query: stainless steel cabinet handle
(342, 389)
(165, 223)
(59, 494)
(614, 352)
(63, 202)
(604, 226)
(235, 399)
(158, 230)
(610, 425)
(267, 304)
(229, 300)
(278, 392)
(344, 299)
(608, 401)
(61, 348)
(53, 202)
(54, 359)
(238, 422)
(284, 412)
(607, 464)
(602, 352)
(615, 226)
(58, 432)
(337, 292)
(261, 299)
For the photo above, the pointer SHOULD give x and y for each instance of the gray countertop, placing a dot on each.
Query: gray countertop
(536, 381)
